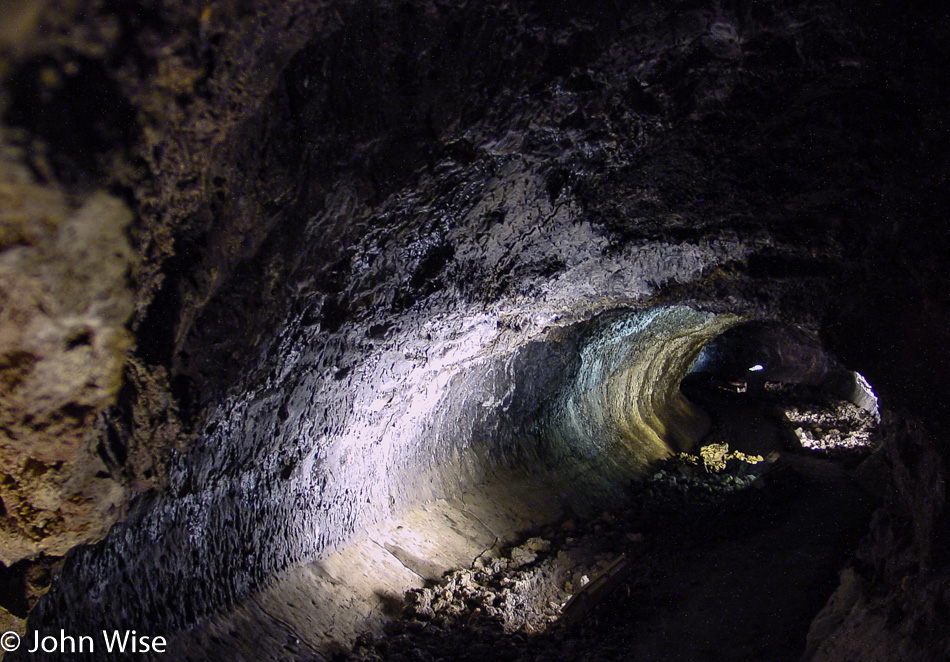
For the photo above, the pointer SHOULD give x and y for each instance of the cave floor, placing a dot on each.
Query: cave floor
(700, 564)
(742, 583)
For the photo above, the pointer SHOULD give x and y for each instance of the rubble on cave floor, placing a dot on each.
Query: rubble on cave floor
(832, 426)
(696, 553)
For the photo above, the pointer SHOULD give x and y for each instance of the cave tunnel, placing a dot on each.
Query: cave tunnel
(444, 330)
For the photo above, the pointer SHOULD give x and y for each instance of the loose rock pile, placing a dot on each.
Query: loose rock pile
(833, 426)
(702, 479)
(522, 599)
(552, 596)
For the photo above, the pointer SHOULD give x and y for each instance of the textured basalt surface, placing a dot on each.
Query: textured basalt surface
(350, 255)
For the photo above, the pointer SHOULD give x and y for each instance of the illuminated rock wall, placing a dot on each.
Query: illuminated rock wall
(623, 408)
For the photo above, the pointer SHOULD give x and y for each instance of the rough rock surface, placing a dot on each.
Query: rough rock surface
(833, 426)
(65, 300)
(364, 234)
(623, 585)
(63, 342)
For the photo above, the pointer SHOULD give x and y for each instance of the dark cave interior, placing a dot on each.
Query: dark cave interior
(442, 330)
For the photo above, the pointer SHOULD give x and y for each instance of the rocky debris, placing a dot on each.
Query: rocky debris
(832, 425)
(708, 477)
(516, 593)
(521, 590)
(65, 299)
(545, 595)
(716, 457)
(528, 552)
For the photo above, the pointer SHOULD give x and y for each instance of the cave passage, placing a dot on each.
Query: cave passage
(476, 330)
(619, 439)
(714, 554)
(744, 376)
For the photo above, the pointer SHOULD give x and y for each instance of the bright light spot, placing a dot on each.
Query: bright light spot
(756, 367)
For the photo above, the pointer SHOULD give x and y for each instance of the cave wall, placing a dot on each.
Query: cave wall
(351, 223)
(622, 408)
